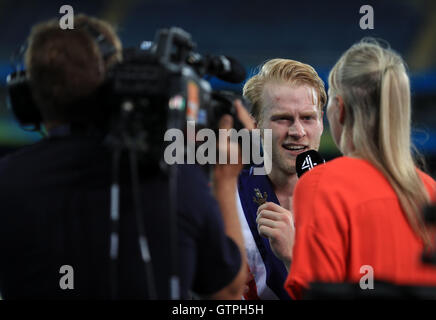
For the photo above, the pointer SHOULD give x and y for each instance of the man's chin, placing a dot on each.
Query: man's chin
(284, 164)
(291, 170)
(287, 169)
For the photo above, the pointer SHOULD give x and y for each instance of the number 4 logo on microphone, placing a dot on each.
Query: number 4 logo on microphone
(308, 164)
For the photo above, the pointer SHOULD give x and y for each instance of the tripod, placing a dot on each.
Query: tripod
(128, 134)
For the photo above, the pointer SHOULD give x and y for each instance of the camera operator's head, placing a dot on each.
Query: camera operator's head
(288, 97)
(65, 67)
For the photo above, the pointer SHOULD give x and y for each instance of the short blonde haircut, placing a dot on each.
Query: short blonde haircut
(286, 71)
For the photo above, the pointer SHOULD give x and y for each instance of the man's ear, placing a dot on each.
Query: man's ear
(341, 109)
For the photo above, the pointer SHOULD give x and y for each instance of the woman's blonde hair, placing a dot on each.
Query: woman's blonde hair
(374, 85)
(287, 71)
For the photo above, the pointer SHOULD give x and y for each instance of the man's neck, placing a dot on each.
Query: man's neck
(283, 185)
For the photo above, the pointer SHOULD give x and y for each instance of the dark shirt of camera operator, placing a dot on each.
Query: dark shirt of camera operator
(54, 211)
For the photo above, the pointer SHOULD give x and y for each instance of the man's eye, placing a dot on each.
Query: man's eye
(280, 120)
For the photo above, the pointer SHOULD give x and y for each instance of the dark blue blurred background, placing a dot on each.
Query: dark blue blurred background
(314, 32)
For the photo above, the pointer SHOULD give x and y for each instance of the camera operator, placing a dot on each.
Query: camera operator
(55, 194)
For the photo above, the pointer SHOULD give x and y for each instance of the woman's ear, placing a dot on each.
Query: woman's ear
(341, 109)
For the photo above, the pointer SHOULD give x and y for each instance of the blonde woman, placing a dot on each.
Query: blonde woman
(364, 209)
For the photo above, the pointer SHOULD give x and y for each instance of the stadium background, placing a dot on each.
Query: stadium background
(314, 32)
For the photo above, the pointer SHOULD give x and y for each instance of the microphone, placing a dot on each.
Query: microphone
(223, 67)
(307, 161)
(226, 68)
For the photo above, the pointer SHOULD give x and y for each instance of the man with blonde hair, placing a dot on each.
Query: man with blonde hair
(287, 98)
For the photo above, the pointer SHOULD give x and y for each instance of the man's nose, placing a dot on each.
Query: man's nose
(297, 130)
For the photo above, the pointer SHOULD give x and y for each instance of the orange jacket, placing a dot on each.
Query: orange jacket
(347, 215)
